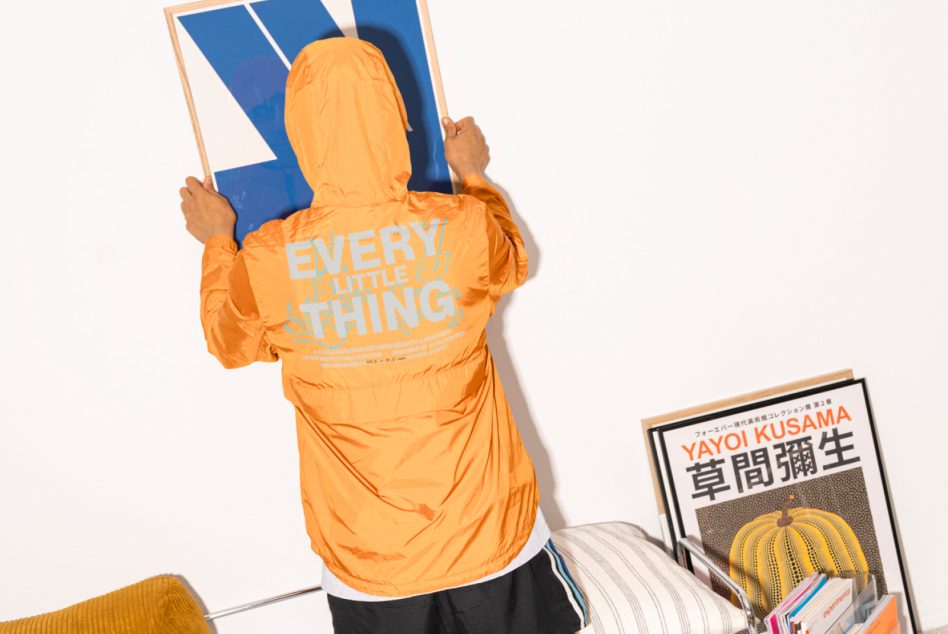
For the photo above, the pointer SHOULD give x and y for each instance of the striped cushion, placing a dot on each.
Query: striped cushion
(631, 585)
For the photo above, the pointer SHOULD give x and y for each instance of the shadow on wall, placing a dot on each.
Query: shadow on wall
(515, 396)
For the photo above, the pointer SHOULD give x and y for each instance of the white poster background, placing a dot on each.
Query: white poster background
(851, 398)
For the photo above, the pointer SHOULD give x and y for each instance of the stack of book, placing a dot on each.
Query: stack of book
(830, 605)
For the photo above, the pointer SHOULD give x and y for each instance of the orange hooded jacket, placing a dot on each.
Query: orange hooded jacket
(413, 475)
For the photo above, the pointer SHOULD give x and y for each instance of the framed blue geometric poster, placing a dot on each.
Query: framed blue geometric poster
(234, 59)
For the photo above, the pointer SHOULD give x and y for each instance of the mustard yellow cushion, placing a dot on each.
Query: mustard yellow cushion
(157, 605)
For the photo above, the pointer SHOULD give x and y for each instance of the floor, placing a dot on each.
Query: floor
(939, 630)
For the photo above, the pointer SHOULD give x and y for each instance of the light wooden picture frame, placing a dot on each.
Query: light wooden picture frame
(233, 59)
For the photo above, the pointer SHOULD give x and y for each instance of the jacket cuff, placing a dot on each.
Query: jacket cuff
(221, 240)
(473, 180)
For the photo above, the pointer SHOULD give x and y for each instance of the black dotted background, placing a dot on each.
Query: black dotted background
(841, 493)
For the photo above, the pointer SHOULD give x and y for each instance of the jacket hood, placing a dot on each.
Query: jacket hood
(346, 121)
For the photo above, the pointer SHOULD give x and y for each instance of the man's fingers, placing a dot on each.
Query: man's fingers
(450, 129)
(469, 126)
(209, 186)
(194, 185)
(185, 193)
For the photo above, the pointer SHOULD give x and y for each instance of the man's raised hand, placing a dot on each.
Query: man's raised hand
(206, 212)
(465, 149)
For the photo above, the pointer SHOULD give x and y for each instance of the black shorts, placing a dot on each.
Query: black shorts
(537, 597)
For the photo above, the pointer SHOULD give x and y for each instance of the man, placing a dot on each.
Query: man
(417, 492)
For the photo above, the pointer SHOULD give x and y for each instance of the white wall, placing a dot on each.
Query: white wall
(719, 197)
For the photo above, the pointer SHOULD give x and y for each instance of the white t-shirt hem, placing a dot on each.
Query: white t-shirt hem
(538, 537)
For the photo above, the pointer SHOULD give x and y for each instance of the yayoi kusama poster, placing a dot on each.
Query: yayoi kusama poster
(777, 490)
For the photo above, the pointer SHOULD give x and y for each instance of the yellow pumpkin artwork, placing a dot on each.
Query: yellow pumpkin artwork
(774, 552)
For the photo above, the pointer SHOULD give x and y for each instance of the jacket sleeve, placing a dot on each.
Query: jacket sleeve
(234, 332)
(507, 255)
